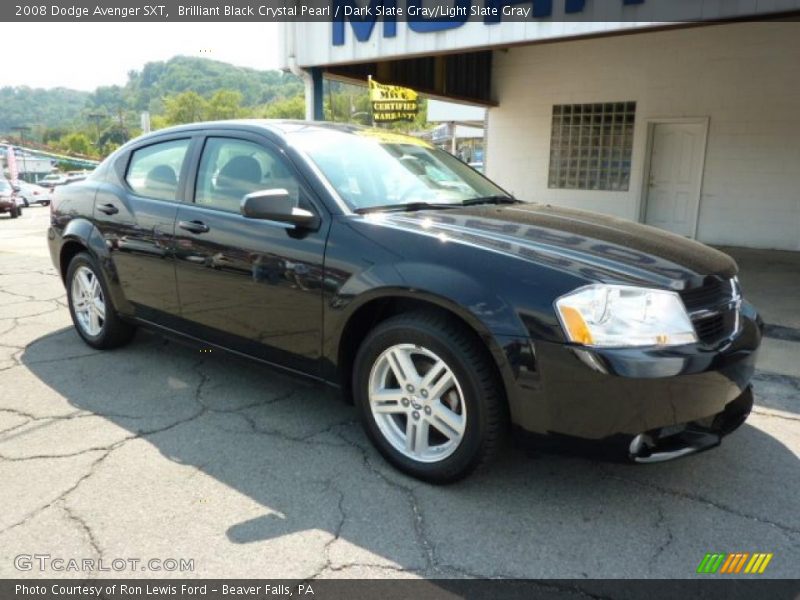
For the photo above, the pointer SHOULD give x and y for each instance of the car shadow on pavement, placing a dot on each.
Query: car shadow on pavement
(298, 452)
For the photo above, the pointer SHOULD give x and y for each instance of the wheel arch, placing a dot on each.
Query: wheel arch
(80, 235)
(381, 305)
(77, 237)
(69, 249)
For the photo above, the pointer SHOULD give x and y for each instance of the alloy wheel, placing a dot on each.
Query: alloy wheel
(88, 301)
(417, 402)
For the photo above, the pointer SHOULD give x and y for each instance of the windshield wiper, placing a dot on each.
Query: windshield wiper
(409, 207)
(490, 200)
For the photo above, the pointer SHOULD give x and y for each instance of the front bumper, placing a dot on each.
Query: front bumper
(596, 394)
(674, 441)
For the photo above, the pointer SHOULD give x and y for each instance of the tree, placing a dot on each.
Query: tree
(55, 107)
(110, 98)
(188, 107)
(158, 122)
(76, 143)
(52, 135)
(108, 148)
(288, 108)
(116, 135)
(224, 104)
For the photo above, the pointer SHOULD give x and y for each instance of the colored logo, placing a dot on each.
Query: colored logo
(737, 562)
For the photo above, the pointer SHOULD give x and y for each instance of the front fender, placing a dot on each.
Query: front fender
(489, 315)
(444, 286)
(508, 342)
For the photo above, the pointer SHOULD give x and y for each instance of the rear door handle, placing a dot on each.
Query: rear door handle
(193, 226)
(108, 209)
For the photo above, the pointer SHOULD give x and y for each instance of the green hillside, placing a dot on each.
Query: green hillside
(146, 89)
(57, 107)
(52, 113)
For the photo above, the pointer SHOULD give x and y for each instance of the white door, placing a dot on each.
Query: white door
(676, 173)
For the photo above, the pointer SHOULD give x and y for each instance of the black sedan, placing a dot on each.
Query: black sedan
(448, 311)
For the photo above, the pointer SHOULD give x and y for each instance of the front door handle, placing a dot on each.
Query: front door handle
(108, 209)
(193, 226)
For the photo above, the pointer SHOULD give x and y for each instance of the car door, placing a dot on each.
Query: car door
(250, 285)
(137, 220)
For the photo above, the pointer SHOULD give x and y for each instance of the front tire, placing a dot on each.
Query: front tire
(428, 396)
(91, 308)
(15, 211)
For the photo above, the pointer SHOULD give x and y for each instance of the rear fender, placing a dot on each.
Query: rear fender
(83, 232)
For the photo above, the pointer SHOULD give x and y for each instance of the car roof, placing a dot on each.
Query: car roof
(281, 127)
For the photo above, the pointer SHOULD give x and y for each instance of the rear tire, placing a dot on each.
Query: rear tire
(445, 414)
(91, 307)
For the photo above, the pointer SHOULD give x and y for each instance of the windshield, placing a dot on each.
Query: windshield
(372, 168)
(5, 187)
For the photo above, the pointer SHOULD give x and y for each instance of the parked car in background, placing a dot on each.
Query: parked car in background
(52, 180)
(446, 309)
(31, 193)
(9, 203)
(56, 179)
(77, 176)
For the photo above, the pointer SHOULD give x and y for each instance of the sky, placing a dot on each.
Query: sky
(83, 56)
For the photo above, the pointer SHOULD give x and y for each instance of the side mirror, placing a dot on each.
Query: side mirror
(16, 188)
(276, 205)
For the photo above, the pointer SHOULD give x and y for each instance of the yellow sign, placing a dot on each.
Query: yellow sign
(387, 137)
(392, 103)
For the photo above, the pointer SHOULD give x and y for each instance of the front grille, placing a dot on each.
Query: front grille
(714, 309)
(713, 293)
(716, 328)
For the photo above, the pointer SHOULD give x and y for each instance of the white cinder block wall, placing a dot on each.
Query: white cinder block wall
(744, 77)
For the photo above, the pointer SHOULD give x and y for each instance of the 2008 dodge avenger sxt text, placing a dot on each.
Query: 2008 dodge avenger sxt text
(445, 308)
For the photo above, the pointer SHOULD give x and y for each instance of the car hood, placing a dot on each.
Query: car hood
(590, 245)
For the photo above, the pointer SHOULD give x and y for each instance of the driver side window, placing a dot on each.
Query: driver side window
(230, 169)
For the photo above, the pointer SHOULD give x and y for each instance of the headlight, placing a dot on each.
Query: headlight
(621, 315)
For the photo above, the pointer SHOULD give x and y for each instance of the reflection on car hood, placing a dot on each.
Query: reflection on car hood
(591, 245)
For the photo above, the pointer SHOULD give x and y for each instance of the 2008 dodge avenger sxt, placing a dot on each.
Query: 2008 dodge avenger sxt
(448, 310)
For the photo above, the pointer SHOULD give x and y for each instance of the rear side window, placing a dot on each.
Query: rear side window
(154, 171)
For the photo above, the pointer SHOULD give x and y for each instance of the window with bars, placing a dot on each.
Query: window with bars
(591, 146)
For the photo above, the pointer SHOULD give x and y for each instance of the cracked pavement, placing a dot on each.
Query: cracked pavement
(159, 451)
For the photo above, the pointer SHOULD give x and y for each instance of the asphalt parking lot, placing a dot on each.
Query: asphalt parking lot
(159, 451)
